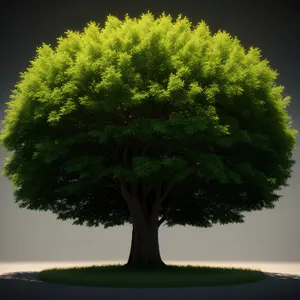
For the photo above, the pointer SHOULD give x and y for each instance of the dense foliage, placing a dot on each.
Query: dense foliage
(181, 117)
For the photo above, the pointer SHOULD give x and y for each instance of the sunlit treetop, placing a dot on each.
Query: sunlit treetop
(150, 109)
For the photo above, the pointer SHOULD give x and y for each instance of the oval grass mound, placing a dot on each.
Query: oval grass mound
(172, 276)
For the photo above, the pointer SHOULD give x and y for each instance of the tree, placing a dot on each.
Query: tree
(146, 121)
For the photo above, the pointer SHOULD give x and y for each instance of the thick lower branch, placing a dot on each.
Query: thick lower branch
(162, 219)
(134, 206)
(115, 187)
(134, 189)
(125, 158)
(171, 206)
(145, 193)
(160, 198)
(145, 149)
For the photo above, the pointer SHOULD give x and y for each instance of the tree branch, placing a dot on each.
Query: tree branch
(168, 212)
(163, 218)
(158, 191)
(167, 191)
(134, 206)
(172, 205)
(145, 149)
(123, 113)
(134, 189)
(145, 193)
(124, 190)
(114, 155)
(125, 157)
(160, 198)
(115, 187)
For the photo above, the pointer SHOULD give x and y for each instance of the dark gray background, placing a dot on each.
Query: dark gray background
(269, 235)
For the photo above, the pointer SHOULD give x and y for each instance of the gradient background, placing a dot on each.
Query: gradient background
(267, 236)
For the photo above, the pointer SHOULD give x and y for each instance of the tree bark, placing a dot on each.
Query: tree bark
(131, 249)
(144, 252)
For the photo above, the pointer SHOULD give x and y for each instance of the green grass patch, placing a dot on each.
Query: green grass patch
(173, 276)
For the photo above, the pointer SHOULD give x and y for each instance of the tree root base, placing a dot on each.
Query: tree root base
(146, 265)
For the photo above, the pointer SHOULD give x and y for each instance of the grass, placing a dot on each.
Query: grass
(173, 276)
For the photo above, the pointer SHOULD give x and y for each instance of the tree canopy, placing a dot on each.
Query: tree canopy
(153, 113)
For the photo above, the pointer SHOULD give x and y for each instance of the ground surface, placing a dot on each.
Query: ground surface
(172, 277)
(24, 285)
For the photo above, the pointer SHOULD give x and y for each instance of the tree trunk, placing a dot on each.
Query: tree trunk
(131, 248)
(144, 252)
